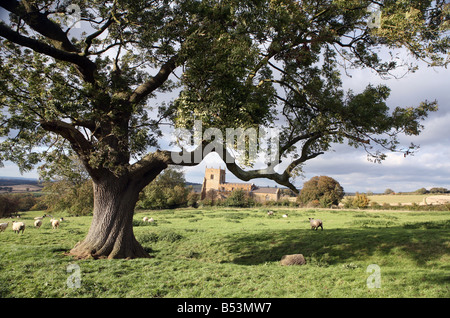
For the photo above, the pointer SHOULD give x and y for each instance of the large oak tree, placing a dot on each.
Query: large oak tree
(100, 89)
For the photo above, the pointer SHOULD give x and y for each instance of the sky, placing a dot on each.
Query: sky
(429, 167)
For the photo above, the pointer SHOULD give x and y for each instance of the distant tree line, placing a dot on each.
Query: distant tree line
(73, 194)
(432, 190)
(435, 190)
(11, 204)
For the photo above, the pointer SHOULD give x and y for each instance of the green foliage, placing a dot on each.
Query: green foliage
(12, 203)
(421, 191)
(193, 199)
(360, 201)
(168, 190)
(438, 190)
(26, 202)
(326, 190)
(238, 198)
(64, 195)
(347, 202)
(211, 198)
(8, 204)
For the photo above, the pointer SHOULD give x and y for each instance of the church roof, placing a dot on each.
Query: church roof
(266, 190)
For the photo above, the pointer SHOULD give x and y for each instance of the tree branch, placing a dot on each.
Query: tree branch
(85, 66)
(193, 158)
(92, 36)
(69, 132)
(62, 48)
(39, 22)
(79, 144)
(294, 140)
(155, 82)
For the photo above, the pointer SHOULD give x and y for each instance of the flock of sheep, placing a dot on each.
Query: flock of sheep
(18, 226)
(315, 223)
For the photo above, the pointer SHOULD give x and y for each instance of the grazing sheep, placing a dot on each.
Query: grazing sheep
(150, 220)
(145, 219)
(270, 213)
(55, 223)
(18, 226)
(61, 219)
(40, 217)
(38, 223)
(315, 224)
(285, 215)
(3, 226)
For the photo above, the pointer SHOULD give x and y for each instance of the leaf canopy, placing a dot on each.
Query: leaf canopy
(103, 91)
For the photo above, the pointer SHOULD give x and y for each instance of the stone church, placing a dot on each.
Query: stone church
(215, 180)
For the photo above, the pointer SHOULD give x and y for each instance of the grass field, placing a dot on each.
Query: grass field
(398, 198)
(221, 253)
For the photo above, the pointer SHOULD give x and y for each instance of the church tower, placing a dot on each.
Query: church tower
(212, 180)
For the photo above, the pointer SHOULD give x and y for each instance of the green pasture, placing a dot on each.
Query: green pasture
(223, 252)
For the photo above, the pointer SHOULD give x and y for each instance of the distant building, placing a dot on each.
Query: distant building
(215, 180)
(266, 194)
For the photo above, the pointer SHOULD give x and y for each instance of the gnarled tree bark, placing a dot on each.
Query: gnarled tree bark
(111, 232)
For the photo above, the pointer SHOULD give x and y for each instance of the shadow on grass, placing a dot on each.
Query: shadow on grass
(335, 246)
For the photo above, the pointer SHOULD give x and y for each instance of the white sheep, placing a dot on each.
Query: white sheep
(145, 219)
(150, 220)
(18, 226)
(55, 223)
(315, 224)
(270, 213)
(285, 215)
(3, 226)
(38, 223)
(40, 217)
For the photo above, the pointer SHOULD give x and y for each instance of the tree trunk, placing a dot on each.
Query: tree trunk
(111, 232)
